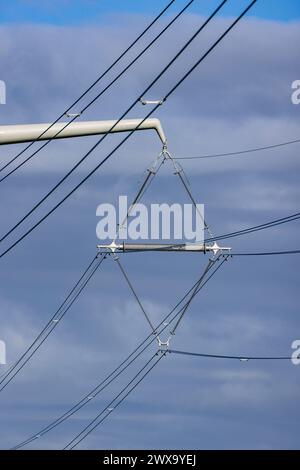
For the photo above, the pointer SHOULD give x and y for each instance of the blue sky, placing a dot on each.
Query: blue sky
(87, 11)
(240, 97)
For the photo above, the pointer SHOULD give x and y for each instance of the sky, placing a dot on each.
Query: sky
(77, 12)
(240, 97)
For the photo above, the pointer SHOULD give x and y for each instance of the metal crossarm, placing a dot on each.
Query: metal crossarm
(14, 134)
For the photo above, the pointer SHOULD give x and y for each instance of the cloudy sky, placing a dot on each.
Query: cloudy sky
(238, 98)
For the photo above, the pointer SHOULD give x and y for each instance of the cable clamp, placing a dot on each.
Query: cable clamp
(73, 115)
(165, 147)
(112, 248)
(153, 102)
(163, 345)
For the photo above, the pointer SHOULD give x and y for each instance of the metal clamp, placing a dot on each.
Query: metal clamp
(71, 115)
(163, 345)
(153, 102)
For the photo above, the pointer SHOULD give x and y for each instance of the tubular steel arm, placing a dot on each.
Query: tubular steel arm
(14, 134)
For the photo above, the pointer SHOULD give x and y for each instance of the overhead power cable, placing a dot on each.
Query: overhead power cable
(252, 229)
(256, 228)
(113, 404)
(87, 398)
(268, 253)
(76, 290)
(184, 77)
(129, 134)
(195, 290)
(229, 154)
(14, 370)
(86, 91)
(95, 422)
(54, 315)
(163, 325)
(105, 89)
(239, 358)
(111, 129)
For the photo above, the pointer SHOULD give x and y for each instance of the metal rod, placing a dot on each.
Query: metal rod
(196, 247)
(135, 295)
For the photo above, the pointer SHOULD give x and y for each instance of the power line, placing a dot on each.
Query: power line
(104, 90)
(256, 228)
(84, 401)
(200, 286)
(105, 135)
(47, 330)
(68, 302)
(54, 316)
(195, 290)
(186, 75)
(267, 253)
(104, 383)
(90, 87)
(87, 431)
(240, 358)
(94, 423)
(228, 154)
(252, 229)
(119, 369)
